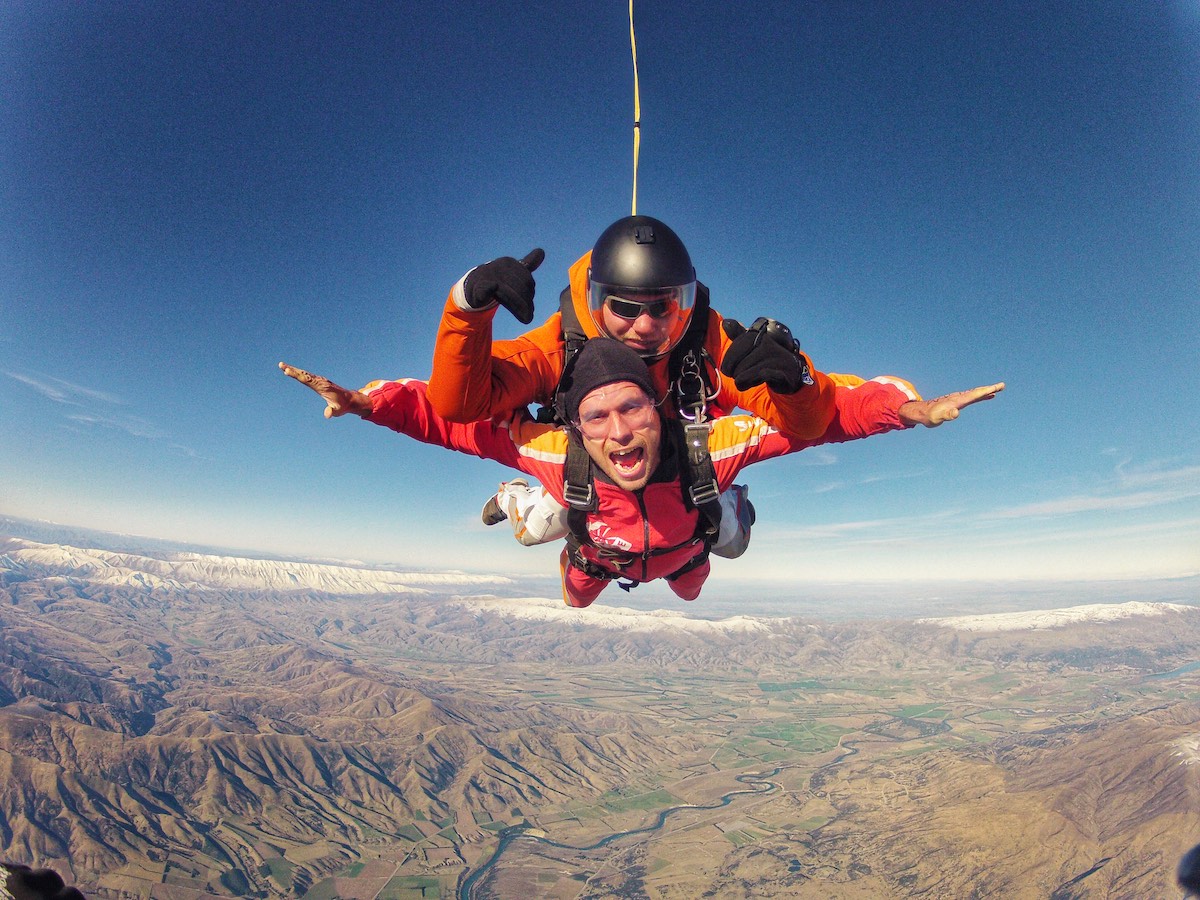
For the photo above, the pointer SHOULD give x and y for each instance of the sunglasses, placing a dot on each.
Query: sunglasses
(631, 309)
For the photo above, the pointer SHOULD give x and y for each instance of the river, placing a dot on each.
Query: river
(758, 785)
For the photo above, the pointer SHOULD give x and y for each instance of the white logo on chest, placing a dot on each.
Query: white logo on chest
(603, 536)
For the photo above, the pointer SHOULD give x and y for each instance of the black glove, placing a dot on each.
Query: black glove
(506, 281)
(24, 883)
(765, 354)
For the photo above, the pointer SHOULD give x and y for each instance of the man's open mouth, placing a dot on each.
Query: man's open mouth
(627, 462)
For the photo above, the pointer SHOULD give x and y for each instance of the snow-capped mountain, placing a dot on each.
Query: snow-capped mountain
(198, 571)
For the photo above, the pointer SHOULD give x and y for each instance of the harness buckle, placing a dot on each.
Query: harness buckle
(704, 493)
(579, 495)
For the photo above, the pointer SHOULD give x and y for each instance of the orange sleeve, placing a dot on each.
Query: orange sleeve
(474, 378)
(803, 415)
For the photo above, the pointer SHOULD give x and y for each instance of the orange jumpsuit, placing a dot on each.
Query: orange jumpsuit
(475, 378)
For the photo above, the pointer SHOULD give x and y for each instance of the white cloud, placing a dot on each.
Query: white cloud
(838, 531)
(1187, 477)
(1066, 506)
(895, 476)
(129, 424)
(814, 456)
(61, 391)
(97, 405)
(829, 486)
(1138, 490)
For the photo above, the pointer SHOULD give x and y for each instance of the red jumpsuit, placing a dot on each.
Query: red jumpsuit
(633, 523)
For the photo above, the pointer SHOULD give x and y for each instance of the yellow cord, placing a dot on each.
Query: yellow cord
(637, 108)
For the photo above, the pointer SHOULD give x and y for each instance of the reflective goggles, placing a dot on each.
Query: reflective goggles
(631, 309)
(637, 412)
(629, 303)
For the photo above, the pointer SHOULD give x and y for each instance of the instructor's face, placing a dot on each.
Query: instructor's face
(645, 334)
(622, 433)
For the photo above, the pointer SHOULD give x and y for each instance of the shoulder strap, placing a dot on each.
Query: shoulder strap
(573, 337)
(579, 489)
(692, 385)
(697, 478)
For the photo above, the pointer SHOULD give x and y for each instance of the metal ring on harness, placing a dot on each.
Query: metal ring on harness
(693, 405)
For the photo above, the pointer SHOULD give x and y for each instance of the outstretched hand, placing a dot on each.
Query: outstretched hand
(932, 413)
(338, 400)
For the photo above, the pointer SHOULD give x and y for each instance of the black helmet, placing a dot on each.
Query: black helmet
(639, 265)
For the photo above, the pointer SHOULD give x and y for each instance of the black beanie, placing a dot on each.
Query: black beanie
(601, 361)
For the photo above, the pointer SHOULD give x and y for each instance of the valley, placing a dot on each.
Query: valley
(181, 739)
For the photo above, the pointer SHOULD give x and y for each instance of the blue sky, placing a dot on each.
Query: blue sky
(953, 193)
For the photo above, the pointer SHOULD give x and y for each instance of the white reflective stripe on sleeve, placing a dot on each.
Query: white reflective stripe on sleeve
(750, 431)
(548, 455)
(460, 296)
(908, 389)
(377, 384)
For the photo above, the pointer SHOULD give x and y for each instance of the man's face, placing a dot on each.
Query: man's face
(644, 333)
(622, 433)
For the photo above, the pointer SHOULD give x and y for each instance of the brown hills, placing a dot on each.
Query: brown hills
(1081, 812)
(168, 739)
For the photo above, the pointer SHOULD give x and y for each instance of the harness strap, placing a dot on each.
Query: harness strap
(574, 337)
(579, 481)
(694, 563)
(689, 367)
(699, 479)
(595, 570)
(579, 490)
(587, 566)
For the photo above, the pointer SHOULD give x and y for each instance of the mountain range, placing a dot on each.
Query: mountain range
(182, 725)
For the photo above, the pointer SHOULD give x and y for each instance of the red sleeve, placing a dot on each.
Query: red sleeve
(404, 407)
(866, 409)
(870, 408)
(536, 449)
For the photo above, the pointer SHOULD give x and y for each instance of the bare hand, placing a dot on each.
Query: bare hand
(338, 400)
(932, 413)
